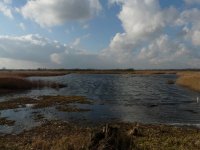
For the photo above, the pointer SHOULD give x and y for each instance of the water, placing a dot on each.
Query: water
(126, 98)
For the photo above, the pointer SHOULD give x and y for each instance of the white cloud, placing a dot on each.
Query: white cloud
(164, 52)
(195, 38)
(190, 20)
(6, 10)
(74, 58)
(22, 26)
(144, 43)
(18, 64)
(28, 47)
(36, 51)
(192, 1)
(76, 42)
(7, 1)
(142, 21)
(85, 26)
(56, 12)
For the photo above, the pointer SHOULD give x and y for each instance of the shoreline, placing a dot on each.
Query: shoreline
(188, 79)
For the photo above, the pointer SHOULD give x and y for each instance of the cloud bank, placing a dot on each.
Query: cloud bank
(33, 51)
(149, 40)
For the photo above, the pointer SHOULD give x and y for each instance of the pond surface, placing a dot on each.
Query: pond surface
(125, 98)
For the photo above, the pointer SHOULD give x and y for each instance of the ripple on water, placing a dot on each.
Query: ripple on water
(130, 98)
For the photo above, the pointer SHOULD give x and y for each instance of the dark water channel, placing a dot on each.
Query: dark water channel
(125, 98)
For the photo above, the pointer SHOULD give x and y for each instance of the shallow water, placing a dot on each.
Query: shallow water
(128, 98)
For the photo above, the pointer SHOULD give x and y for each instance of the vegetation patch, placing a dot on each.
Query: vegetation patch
(17, 84)
(61, 103)
(67, 108)
(37, 116)
(16, 103)
(49, 101)
(53, 135)
(190, 80)
(31, 73)
(13, 81)
(56, 135)
(5, 121)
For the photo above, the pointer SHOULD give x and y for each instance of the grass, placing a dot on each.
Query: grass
(16, 103)
(49, 101)
(190, 80)
(26, 73)
(71, 109)
(5, 121)
(13, 81)
(13, 84)
(32, 73)
(56, 135)
(60, 102)
(118, 71)
(19, 84)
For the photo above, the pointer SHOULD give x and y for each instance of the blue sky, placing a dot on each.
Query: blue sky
(139, 34)
(100, 29)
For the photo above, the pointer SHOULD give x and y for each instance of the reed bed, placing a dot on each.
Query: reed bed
(15, 74)
(11, 81)
(190, 80)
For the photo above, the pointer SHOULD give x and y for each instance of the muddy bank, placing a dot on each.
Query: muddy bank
(56, 135)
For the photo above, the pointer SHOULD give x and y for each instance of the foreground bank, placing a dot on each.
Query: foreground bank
(56, 135)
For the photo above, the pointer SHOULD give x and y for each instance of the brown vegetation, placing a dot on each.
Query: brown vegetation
(190, 80)
(26, 73)
(61, 103)
(57, 135)
(16, 103)
(125, 71)
(71, 109)
(5, 121)
(49, 101)
(31, 73)
(13, 84)
(12, 81)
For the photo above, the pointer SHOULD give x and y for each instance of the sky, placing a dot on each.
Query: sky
(100, 34)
